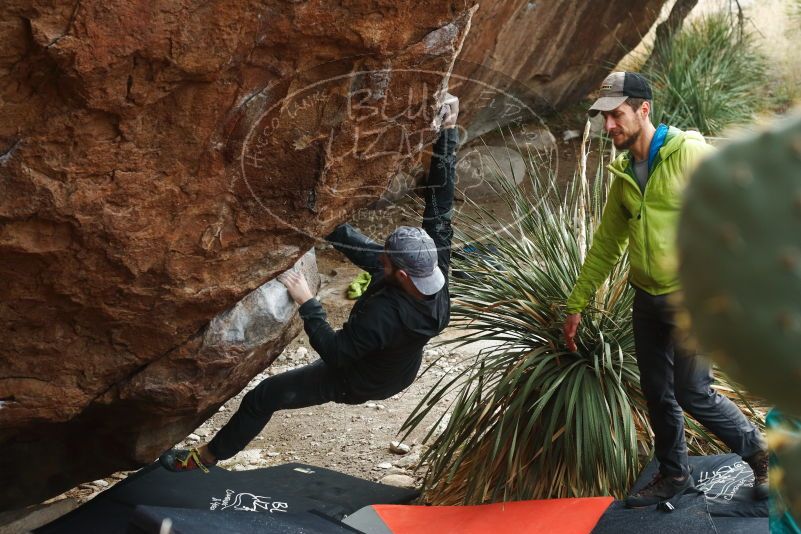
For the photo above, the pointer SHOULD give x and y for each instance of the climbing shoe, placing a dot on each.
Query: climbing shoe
(180, 460)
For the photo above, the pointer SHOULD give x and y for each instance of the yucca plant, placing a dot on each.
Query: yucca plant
(531, 419)
(709, 76)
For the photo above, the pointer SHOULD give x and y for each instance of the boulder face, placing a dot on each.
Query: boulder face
(159, 161)
(538, 57)
(162, 161)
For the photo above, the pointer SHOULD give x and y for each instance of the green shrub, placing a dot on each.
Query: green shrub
(709, 76)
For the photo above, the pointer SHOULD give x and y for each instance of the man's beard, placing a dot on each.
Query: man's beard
(628, 141)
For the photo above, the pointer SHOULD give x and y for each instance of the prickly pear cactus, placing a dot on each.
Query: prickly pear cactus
(740, 248)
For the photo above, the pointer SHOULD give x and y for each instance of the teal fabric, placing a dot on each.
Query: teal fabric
(656, 143)
(781, 521)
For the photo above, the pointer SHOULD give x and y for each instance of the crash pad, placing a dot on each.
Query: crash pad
(726, 504)
(289, 492)
(566, 516)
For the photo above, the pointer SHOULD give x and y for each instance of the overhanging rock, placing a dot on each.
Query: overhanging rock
(158, 162)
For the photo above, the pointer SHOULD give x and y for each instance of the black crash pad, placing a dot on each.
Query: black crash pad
(290, 490)
(726, 506)
(153, 519)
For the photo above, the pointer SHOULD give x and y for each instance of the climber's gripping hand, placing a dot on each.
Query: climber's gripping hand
(297, 286)
(448, 113)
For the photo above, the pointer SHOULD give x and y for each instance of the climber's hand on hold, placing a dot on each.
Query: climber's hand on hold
(447, 113)
(296, 285)
(450, 111)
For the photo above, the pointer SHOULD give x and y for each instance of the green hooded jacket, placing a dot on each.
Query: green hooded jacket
(646, 222)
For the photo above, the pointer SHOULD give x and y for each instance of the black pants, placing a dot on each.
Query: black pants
(310, 385)
(673, 378)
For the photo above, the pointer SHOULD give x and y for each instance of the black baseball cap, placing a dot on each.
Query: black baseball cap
(619, 87)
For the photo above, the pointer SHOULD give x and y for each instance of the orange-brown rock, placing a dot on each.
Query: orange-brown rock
(542, 55)
(159, 161)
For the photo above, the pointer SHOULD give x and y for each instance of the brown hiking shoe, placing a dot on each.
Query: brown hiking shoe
(661, 488)
(760, 463)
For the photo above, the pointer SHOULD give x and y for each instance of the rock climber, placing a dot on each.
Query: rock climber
(641, 213)
(378, 351)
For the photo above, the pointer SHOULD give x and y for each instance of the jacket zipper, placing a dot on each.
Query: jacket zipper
(643, 215)
(645, 220)
(628, 173)
(645, 230)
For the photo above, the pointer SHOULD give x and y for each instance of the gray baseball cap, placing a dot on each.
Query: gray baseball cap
(413, 250)
(619, 87)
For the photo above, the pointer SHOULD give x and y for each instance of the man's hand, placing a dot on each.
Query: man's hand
(569, 329)
(296, 285)
(449, 111)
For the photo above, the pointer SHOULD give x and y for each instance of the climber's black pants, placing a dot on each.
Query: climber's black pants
(305, 386)
(674, 378)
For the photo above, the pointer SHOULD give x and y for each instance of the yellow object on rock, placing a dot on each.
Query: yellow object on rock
(359, 285)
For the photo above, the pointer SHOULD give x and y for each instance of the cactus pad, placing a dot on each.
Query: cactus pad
(740, 248)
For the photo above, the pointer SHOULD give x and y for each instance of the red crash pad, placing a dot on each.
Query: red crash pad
(565, 516)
